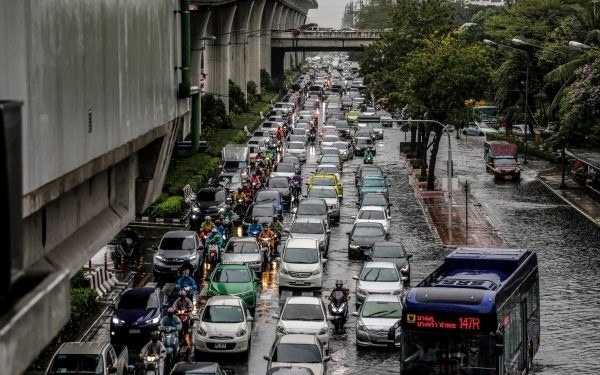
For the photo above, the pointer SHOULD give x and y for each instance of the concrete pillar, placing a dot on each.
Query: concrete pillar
(254, 50)
(277, 21)
(239, 48)
(284, 20)
(265, 35)
(199, 24)
(217, 53)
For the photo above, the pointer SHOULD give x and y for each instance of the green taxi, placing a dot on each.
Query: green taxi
(234, 280)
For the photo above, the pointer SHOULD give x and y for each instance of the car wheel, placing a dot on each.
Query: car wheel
(481, 134)
(464, 132)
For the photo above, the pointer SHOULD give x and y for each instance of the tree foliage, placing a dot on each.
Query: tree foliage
(375, 15)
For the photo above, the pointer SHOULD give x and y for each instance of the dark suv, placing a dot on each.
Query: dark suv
(210, 200)
(173, 248)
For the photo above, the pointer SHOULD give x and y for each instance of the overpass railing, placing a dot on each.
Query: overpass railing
(360, 34)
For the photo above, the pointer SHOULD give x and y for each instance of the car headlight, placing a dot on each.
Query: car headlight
(361, 291)
(281, 329)
(316, 272)
(284, 271)
(241, 332)
(201, 331)
(195, 209)
(405, 268)
(193, 258)
(247, 293)
(397, 292)
(354, 247)
(323, 330)
(360, 326)
(116, 320)
(160, 258)
(153, 321)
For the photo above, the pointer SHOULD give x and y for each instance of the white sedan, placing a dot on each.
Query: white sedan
(298, 350)
(374, 214)
(224, 326)
(306, 315)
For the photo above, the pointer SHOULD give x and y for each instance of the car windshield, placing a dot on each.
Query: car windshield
(390, 310)
(223, 314)
(341, 145)
(278, 183)
(322, 193)
(241, 247)
(296, 146)
(177, 243)
(267, 197)
(306, 228)
(299, 131)
(234, 165)
(374, 200)
(374, 182)
(231, 276)
(211, 196)
(297, 353)
(330, 159)
(505, 162)
(262, 211)
(371, 215)
(370, 231)
(285, 168)
(301, 256)
(330, 138)
(312, 209)
(299, 311)
(137, 301)
(77, 364)
(379, 274)
(329, 169)
(380, 251)
(322, 181)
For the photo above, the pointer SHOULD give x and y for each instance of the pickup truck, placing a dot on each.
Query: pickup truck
(501, 160)
(100, 358)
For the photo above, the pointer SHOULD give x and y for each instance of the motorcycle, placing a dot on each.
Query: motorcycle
(170, 339)
(338, 308)
(240, 208)
(265, 249)
(312, 138)
(227, 227)
(296, 189)
(186, 334)
(254, 232)
(151, 364)
(368, 159)
(213, 255)
(195, 217)
(127, 248)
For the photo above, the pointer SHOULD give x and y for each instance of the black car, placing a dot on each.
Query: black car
(263, 212)
(172, 250)
(210, 200)
(362, 238)
(361, 144)
(374, 199)
(391, 252)
(137, 313)
(282, 185)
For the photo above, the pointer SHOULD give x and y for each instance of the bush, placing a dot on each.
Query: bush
(83, 300)
(237, 99)
(79, 280)
(265, 80)
(170, 207)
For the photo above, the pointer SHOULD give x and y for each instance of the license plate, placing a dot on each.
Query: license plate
(508, 177)
(134, 331)
(174, 268)
(220, 346)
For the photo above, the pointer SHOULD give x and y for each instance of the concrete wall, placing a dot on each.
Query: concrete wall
(109, 61)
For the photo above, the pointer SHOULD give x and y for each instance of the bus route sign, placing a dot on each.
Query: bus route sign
(445, 323)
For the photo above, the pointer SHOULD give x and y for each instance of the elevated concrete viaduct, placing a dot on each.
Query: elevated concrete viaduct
(93, 97)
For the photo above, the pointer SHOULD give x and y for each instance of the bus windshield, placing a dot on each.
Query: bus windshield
(431, 353)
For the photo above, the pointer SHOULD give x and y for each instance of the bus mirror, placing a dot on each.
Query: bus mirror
(499, 343)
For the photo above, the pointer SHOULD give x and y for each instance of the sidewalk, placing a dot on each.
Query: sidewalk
(573, 194)
(470, 226)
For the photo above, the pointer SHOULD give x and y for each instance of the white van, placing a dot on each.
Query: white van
(301, 264)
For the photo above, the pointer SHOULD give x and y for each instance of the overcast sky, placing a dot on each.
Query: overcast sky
(329, 13)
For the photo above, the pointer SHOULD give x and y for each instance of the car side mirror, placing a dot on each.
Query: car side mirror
(275, 316)
(327, 358)
(409, 256)
(355, 313)
(324, 260)
(112, 370)
(390, 205)
(250, 319)
(404, 278)
(154, 247)
(355, 277)
(328, 231)
(266, 357)
(329, 318)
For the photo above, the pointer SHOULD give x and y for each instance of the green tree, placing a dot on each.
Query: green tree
(214, 115)
(375, 15)
(237, 99)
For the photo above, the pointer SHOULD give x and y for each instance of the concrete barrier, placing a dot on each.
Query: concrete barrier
(102, 281)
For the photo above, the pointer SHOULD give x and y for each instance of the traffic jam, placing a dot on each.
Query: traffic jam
(291, 261)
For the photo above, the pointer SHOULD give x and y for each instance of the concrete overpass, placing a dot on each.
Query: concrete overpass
(284, 42)
(93, 98)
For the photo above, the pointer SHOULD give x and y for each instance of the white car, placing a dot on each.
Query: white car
(296, 149)
(374, 214)
(298, 350)
(225, 325)
(307, 315)
(301, 264)
(480, 129)
(378, 278)
(329, 140)
(284, 170)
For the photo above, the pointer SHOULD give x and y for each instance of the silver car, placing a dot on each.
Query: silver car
(243, 250)
(376, 317)
(311, 227)
(296, 149)
(307, 315)
(378, 278)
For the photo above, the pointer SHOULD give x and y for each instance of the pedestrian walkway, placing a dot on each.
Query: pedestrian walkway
(572, 193)
(470, 225)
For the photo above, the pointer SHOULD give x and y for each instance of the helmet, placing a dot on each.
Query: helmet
(171, 311)
(182, 293)
(228, 207)
(214, 230)
(154, 336)
(255, 221)
(186, 259)
(339, 283)
(265, 225)
(240, 189)
(298, 173)
(275, 218)
(207, 218)
(217, 221)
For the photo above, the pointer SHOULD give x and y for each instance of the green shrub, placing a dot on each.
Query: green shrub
(82, 301)
(170, 207)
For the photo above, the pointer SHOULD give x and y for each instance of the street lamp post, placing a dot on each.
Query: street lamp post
(449, 166)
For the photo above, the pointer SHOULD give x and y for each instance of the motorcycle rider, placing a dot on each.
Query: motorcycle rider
(339, 286)
(186, 281)
(255, 180)
(267, 233)
(157, 348)
(185, 304)
(228, 213)
(279, 133)
(277, 227)
(239, 195)
(214, 238)
(207, 224)
(255, 226)
(296, 183)
(186, 269)
(171, 320)
(368, 154)
(220, 227)
(247, 191)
